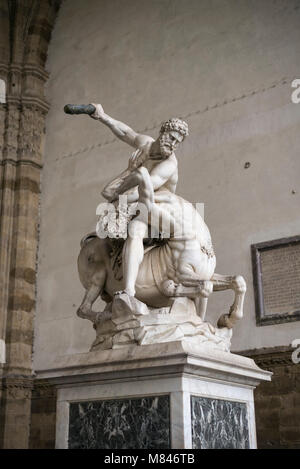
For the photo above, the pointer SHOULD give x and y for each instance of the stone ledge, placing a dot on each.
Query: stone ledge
(172, 358)
(270, 356)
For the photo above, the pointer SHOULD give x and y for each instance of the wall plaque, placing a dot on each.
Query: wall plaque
(276, 278)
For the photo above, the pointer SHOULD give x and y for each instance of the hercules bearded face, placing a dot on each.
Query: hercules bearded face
(172, 133)
(169, 141)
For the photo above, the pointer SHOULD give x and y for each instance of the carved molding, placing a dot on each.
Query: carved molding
(4, 67)
(270, 357)
(32, 126)
(21, 162)
(27, 69)
(43, 389)
(25, 84)
(17, 387)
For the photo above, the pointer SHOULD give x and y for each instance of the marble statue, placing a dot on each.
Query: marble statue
(156, 286)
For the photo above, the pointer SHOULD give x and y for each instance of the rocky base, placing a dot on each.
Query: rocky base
(127, 321)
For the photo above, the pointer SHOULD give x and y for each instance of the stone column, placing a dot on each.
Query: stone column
(25, 29)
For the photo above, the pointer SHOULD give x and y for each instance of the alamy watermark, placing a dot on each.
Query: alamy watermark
(295, 96)
(166, 217)
(296, 353)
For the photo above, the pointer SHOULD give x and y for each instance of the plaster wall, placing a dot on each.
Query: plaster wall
(226, 67)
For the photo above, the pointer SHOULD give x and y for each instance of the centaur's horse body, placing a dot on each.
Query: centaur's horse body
(184, 265)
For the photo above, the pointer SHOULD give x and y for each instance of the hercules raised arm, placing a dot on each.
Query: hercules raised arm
(121, 130)
(156, 155)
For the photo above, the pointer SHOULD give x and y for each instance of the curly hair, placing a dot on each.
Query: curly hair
(175, 124)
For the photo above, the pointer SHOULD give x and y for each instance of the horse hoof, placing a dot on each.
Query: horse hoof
(224, 321)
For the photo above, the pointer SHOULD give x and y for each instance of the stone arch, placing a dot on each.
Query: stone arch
(39, 32)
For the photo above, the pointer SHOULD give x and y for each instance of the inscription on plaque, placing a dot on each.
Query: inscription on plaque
(281, 279)
(276, 276)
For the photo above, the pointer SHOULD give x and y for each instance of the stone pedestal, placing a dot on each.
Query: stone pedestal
(169, 395)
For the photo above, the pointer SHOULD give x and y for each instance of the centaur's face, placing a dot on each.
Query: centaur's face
(169, 141)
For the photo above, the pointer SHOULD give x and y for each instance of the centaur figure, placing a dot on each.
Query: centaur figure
(184, 264)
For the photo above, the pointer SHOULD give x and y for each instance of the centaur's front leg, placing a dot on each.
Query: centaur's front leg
(198, 290)
(238, 285)
(193, 287)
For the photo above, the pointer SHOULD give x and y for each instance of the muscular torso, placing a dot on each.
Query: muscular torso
(150, 164)
(171, 183)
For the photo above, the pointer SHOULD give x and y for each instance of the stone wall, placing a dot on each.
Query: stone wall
(277, 404)
(43, 416)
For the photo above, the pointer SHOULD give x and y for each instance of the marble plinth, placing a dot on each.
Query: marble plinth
(169, 395)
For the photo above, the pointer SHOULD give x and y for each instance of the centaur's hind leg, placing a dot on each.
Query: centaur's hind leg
(85, 309)
(95, 289)
(238, 285)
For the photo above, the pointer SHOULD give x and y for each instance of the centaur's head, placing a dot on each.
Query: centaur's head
(172, 132)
